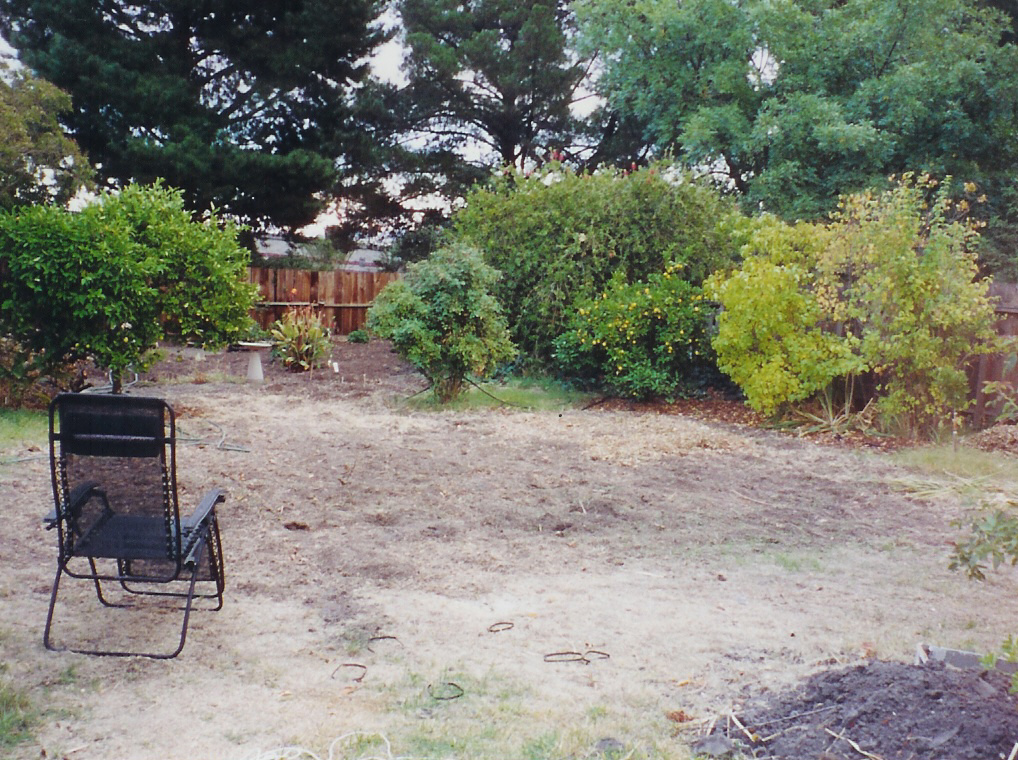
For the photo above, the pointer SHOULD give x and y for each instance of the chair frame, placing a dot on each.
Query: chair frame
(192, 540)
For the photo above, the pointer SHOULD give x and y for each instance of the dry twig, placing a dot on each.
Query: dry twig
(854, 746)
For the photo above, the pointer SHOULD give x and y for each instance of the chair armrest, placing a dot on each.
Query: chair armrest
(205, 507)
(81, 493)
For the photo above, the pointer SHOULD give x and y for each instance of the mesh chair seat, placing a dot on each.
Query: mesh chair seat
(125, 537)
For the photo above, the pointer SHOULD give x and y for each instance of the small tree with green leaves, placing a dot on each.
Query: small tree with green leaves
(109, 282)
(443, 319)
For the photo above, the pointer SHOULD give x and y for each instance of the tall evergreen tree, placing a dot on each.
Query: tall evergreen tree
(245, 106)
(491, 81)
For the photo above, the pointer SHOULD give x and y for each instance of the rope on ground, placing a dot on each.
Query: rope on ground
(19, 460)
(300, 753)
(109, 384)
(190, 440)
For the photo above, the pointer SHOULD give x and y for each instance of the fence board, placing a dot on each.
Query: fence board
(993, 367)
(342, 297)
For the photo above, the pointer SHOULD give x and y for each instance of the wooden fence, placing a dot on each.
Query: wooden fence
(343, 297)
(994, 367)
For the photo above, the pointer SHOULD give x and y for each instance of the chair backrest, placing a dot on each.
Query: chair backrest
(126, 447)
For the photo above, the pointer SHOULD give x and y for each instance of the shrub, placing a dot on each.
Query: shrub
(886, 291)
(72, 286)
(358, 336)
(443, 319)
(640, 340)
(301, 339)
(558, 238)
(111, 281)
(773, 338)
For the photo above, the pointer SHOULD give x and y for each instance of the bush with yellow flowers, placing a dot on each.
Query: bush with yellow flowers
(640, 340)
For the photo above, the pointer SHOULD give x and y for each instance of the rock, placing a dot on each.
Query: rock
(608, 746)
(714, 745)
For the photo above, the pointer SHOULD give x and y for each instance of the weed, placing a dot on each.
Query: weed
(541, 747)
(17, 718)
(68, 676)
(520, 393)
(596, 713)
(794, 564)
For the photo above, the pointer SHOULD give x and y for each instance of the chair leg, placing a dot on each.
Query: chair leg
(187, 615)
(98, 584)
(189, 599)
(215, 550)
(52, 604)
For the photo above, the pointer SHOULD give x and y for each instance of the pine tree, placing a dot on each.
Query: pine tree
(249, 107)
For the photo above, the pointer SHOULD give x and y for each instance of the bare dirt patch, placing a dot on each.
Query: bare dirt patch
(380, 561)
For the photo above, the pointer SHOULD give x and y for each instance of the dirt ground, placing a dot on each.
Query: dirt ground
(585, 583)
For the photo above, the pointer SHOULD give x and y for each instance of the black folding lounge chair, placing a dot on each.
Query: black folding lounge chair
(113, 466)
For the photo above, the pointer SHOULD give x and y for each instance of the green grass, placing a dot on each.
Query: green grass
(17, 719)
(528, 393)
(499, 717)
(963, 461)
(21, 429)
(960, 471)
(796, 563)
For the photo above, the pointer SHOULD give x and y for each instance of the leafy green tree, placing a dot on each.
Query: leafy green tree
(38, 162)
(443, 319)
(111, 281)
(559, 237)
(248, 107)
(792, 104)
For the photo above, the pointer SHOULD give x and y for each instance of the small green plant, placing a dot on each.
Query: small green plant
(443, 319)
(1008, 653)
(358, 336)
(301, 339)
(16, 716)
(640, 340)
(994, 539)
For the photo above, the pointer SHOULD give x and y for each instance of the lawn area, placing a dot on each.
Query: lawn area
(409, 582)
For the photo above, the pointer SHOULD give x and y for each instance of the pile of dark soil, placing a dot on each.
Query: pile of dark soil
(880, 711)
